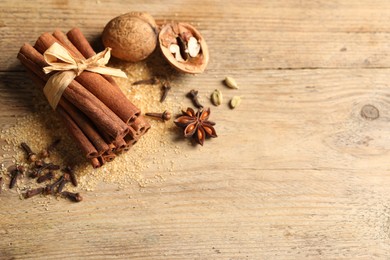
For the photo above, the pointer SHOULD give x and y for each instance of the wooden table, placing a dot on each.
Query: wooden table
(299, 170)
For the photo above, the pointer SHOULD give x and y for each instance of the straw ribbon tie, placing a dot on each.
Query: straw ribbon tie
(69, 67)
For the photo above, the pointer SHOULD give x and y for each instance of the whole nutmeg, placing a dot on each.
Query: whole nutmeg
(184, 47)
(132, 36)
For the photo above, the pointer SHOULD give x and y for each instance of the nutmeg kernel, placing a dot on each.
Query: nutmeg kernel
(132, 36)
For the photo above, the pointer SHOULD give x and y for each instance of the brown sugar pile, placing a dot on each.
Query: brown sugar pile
(144, 163)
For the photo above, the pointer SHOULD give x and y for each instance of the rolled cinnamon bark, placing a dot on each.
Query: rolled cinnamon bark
(111, 147)
(80, 42)
(108, 157)
(96, 163)
(140, 126)
(110, 141)
(83, 142)
(120, 144)
(131, 138)
(63, 39)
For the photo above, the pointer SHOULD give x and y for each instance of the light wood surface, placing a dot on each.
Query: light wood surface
(297, 172)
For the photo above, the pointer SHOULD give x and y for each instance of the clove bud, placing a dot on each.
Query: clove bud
(193, 95)
(75, 197)
(164, 116)
(31, 156)
(34, 192)
(45, 177)
(15, 173)
(49, 189)
(165, 90)
(64, 181)
(72, 175)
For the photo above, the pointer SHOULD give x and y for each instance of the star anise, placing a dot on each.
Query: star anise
(196, 125)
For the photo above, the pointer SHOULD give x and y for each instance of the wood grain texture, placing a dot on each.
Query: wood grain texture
(296, 173)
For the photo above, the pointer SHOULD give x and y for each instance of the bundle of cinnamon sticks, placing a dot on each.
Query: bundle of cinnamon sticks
(97, 114)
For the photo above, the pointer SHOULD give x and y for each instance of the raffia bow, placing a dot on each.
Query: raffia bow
(69, 67)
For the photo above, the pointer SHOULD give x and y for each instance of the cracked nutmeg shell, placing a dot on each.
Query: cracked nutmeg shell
(184, 47)
(132, 36)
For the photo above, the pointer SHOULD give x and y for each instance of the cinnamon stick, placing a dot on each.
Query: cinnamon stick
(109, 157)
(63, 39)
(80, 42)
(140, 126)
(131, 138)
(96, 163)
(84, 144)
(110, 142)
(112, 147)
(120, 144)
